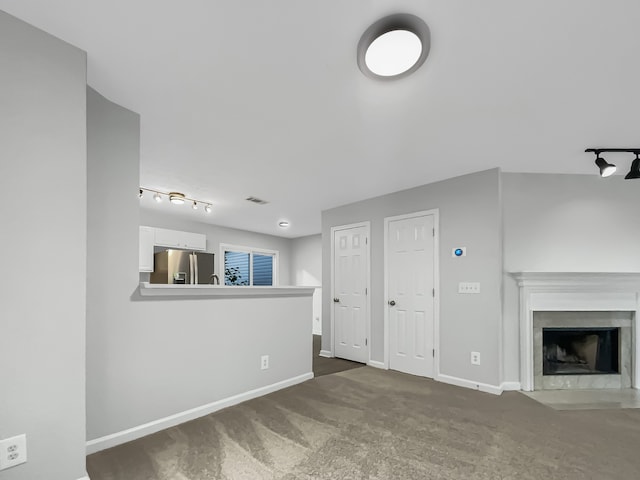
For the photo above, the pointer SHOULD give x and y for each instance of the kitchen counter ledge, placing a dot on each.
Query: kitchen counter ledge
(222, 291)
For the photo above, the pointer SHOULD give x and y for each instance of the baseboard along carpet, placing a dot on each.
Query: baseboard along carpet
(367, 423)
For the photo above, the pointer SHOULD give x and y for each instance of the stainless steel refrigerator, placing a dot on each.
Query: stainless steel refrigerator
(182, 267)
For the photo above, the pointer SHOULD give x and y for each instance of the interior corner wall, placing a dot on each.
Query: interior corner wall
(217, 234)
(112, 247)
(564, 223)
(43, 254)
(470, 216)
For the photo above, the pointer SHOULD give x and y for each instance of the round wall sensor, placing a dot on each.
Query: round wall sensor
(459, 252)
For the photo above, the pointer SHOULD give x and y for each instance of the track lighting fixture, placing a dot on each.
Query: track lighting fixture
(176, 198)
(635, 168)
(607, 169)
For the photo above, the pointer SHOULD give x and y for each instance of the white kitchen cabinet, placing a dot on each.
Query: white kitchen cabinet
(147, 239)
(178, 239)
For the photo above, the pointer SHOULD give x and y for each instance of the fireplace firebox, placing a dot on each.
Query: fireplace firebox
(581, 351)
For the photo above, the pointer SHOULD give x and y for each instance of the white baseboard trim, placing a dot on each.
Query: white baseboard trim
(510, 386)
(461, 382)
(124, 436)
(376, 364)
(86, 477)
(326, 354)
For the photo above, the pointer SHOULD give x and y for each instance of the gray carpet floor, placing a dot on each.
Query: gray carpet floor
(326, 366)
(366, 423)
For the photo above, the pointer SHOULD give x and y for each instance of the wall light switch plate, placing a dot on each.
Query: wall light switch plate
(13, 451)
(469, 287)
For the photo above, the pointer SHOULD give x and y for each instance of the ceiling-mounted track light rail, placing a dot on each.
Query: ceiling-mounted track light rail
(176, 198)
(607, 169)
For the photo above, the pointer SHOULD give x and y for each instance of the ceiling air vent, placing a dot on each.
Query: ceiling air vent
(256, 201)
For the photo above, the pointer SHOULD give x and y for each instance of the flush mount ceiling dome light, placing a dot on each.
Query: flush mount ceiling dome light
(176, 198)
(394, 47)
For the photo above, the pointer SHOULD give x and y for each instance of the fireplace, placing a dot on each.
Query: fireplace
(582, 297)
(581, 351)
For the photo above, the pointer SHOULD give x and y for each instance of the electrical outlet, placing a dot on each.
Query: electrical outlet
(475, 358)
(13, 451)
(264, 362)
(469, 287)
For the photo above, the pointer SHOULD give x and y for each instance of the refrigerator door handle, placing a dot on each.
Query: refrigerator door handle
(195, 268)
(190, 269)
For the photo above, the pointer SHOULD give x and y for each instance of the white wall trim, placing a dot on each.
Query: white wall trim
(510, 386)
(367, 225)
(377, 364)
(123, 436)
(326, 354)
(86, 477)
(436, 284)
(461, 382)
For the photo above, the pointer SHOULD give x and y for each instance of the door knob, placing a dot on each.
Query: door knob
(392, 302)
(336, 300)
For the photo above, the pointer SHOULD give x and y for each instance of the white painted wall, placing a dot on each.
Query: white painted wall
(564, 223)
(306, 271)
(469, 216)
(112, 257)
(43, 250)
(148, 359)
(217, 235)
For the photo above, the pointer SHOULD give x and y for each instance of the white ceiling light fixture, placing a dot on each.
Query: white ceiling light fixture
(394, 47)
(176, 198)
(283, 224)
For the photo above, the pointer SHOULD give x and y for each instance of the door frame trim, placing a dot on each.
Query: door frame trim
(367, 225)
(435, 212)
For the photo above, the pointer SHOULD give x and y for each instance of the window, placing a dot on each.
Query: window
(249, 266)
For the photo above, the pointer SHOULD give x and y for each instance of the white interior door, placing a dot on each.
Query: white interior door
(350, 280)
(410, 273)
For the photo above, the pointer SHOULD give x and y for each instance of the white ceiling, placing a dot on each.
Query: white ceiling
(253, 98)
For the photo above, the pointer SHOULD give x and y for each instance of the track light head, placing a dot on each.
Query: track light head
(635, 169)
(606, 169)
(157, 197)
(207, 208)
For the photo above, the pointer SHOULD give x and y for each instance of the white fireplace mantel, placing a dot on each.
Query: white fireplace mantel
(573, 291)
